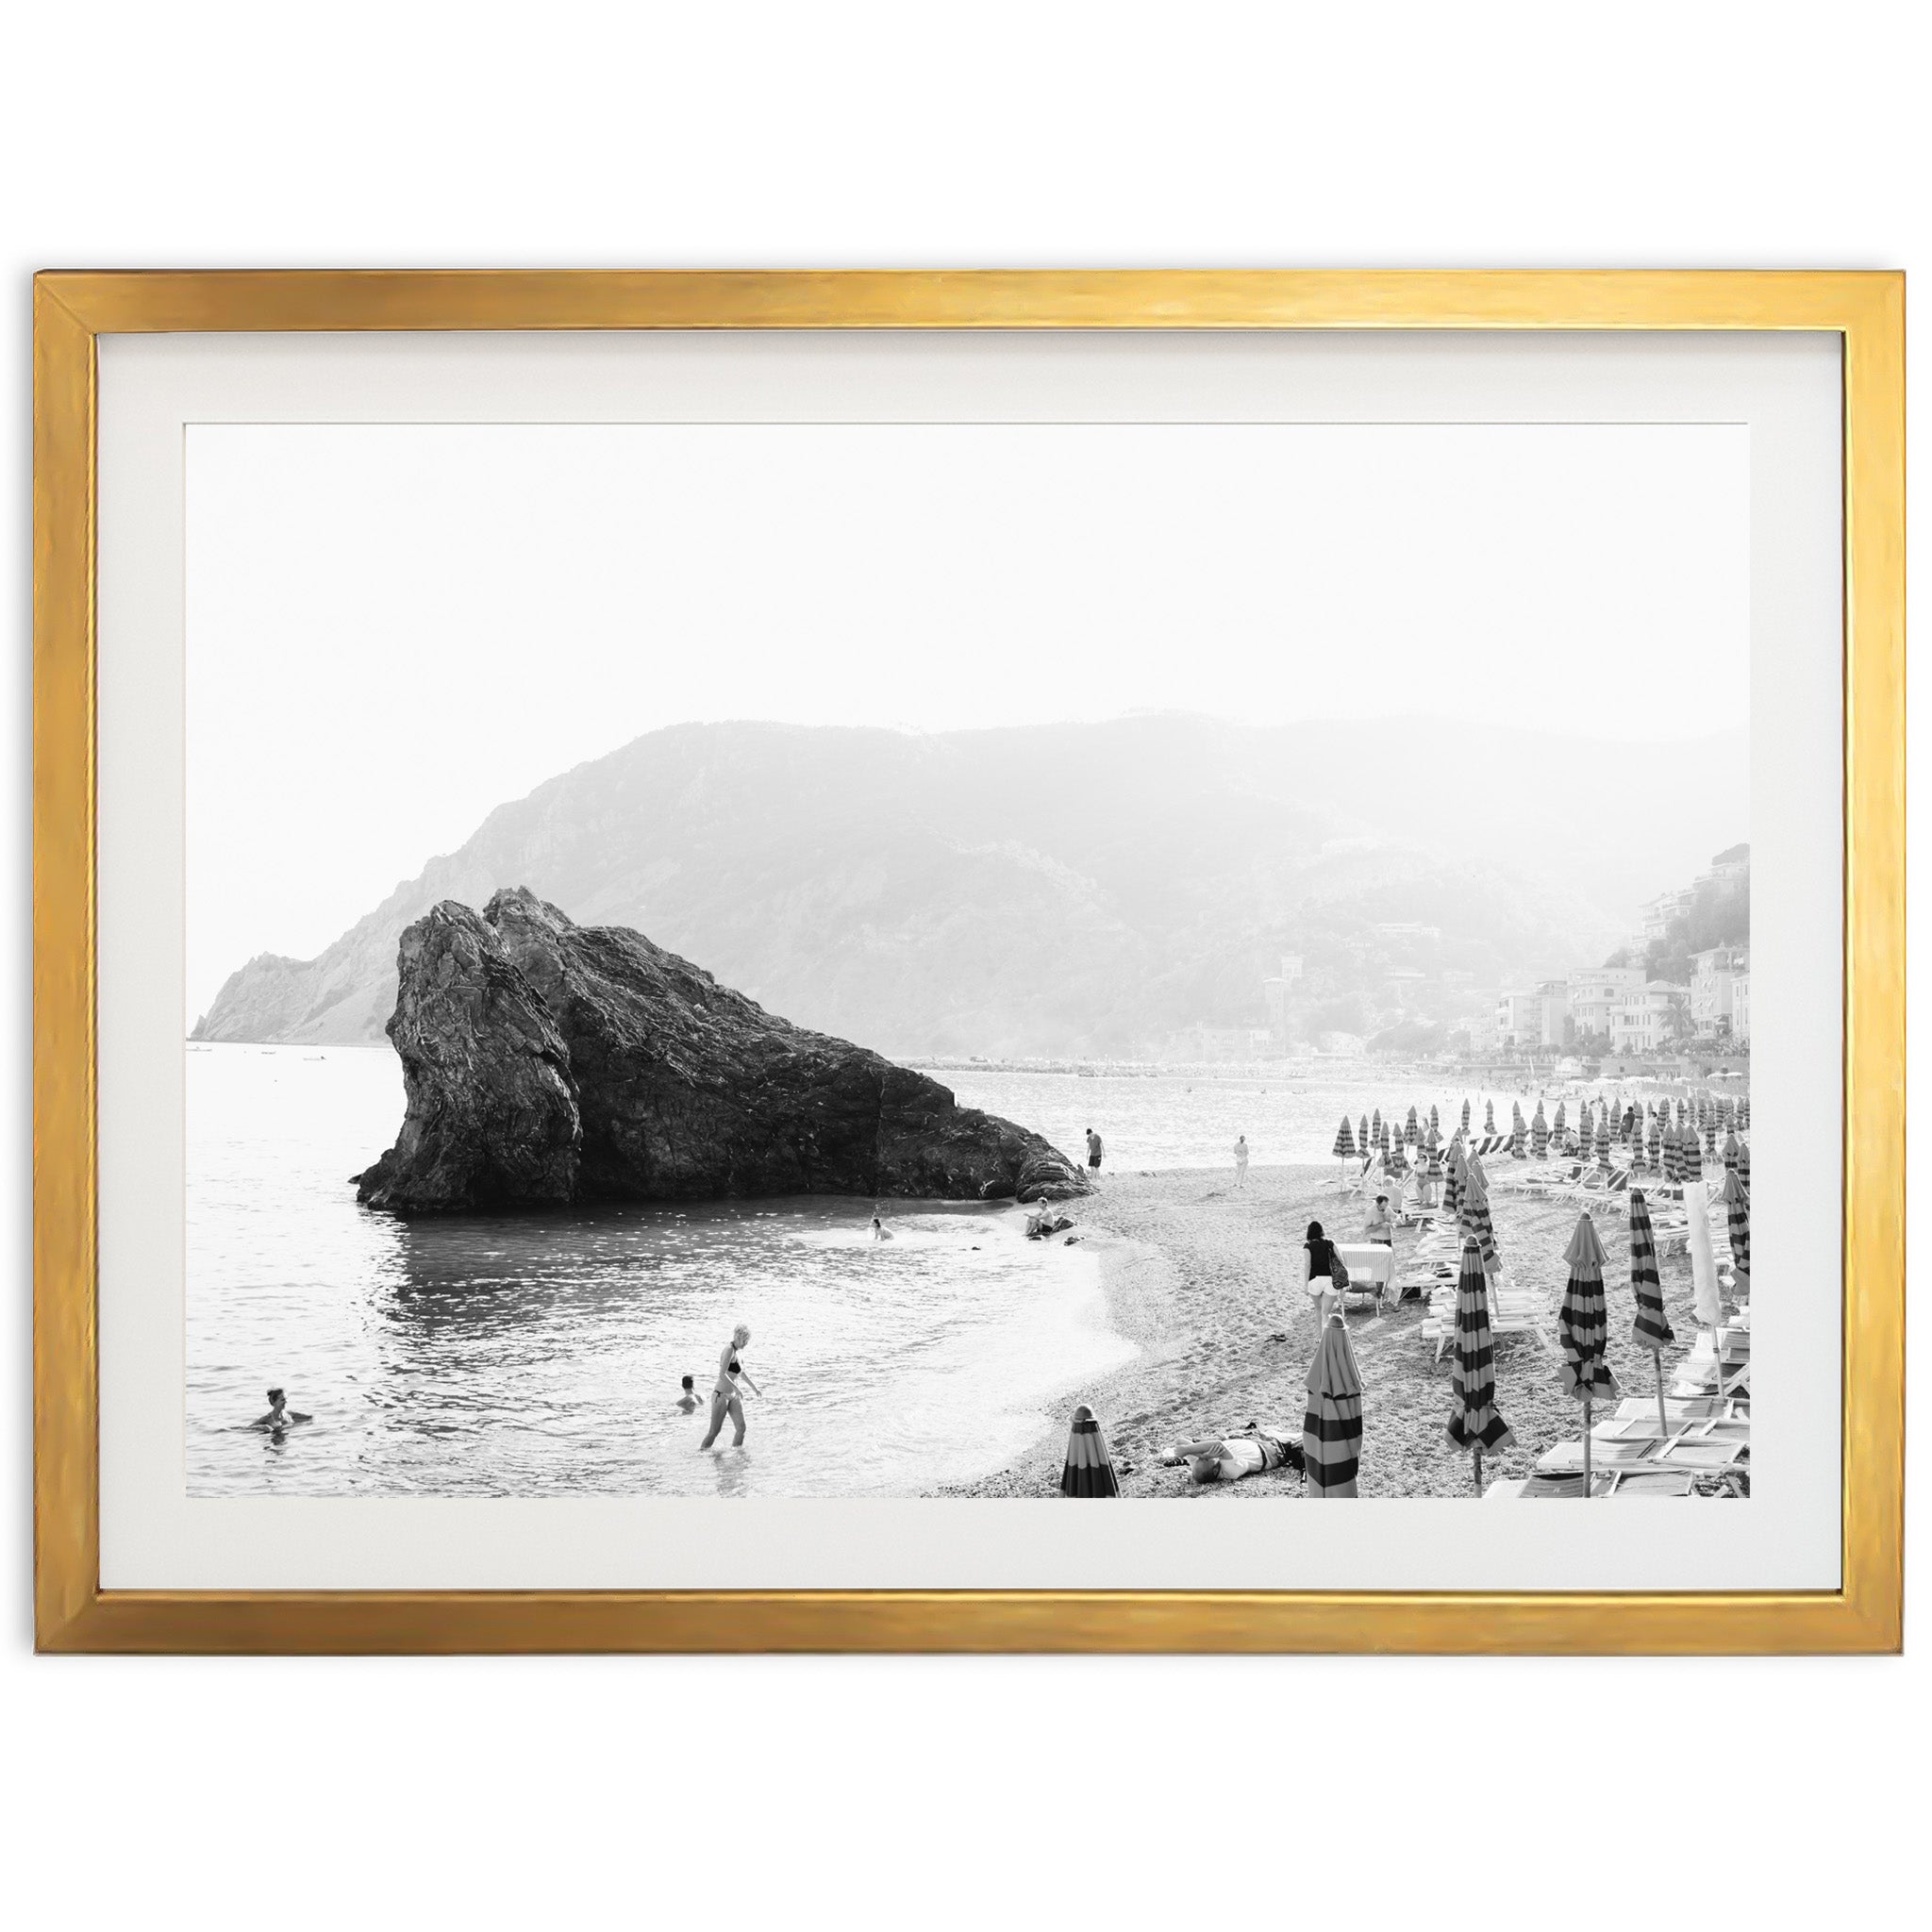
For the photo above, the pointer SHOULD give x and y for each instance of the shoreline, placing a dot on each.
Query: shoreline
(1204, 1279)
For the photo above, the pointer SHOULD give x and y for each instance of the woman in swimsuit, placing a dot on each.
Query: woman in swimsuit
(725, 1397)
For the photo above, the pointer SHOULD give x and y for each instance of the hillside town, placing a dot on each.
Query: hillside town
(1680, 985)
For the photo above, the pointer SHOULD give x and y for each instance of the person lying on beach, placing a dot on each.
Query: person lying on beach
(880, 1232)
(687, 1395)
(1228, 1458)
(279, 1414)
(725, 1394)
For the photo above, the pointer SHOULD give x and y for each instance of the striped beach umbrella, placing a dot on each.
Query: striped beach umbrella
(1375, 1127)
(1363, 1146)
(1539, 1133)
(1473, 1210)
(1465, 1116)
(1435, 1119)
(1519, 1138)
(1744, 1113)
(1556, 1125)
(1744, 1163)
(1711, 1134)
(1398, 1161)
(1332, 1421)
(1603, 1140)
(1652, 1328)
(1489, 1117)
(1656, 1142)
(1583, 1130)
(1473, 1421)
(1345, 1141)
(1583, 1324)
(1737, 1200)
(1434, 1138)
(1452, 1184)
(1088, 1470)
(1731, 1145)
(1411, 1133)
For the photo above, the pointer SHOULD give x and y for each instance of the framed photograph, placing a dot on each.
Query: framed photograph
(884, 960)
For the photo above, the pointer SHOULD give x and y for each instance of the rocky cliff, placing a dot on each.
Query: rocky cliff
(546, 1062)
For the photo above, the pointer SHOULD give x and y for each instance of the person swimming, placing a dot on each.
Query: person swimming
(279, 1414)
(880, 1232)
(687, 1395)
(725, 1394)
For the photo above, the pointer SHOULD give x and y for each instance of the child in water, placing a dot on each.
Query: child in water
(880, 1232)
(688, 1396)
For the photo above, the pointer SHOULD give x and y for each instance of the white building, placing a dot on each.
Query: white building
(1713, 982)
(1740, 1004)
(1596, 991)
(1644, 1018)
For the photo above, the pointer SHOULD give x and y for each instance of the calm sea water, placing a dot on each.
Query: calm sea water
(539, 1354)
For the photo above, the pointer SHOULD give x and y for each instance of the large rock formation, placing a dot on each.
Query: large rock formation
(545, 1061)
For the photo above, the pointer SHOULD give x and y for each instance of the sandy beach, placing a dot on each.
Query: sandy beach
(1205, 1278)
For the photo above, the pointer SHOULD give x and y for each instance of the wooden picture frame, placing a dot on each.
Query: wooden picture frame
(74, 1613)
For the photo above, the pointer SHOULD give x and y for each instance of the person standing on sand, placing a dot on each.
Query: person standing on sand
(1240, 1160)
(1093, 1151)
(1318, 1254)
(725, 1396)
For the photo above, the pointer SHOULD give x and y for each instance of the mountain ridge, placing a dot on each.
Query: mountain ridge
(1056, 887)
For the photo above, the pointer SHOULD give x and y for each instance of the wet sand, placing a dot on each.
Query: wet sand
(1205, 1278)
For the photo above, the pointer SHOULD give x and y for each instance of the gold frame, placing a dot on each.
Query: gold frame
(74, 1613)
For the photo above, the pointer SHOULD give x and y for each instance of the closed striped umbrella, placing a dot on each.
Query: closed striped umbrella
(1519, 1136)
(1556, 1125)
(1088, 1470)
(1744, 1163)
(1744, 1113)
(1603, 1140)
(1332, 1423)
(1473, 1210)
(1375, 1127)
(1411, 1132)
(1465, 1116)
(1473, 1421)
(1345, 1141)
(1656, 1142)
(1731, 1145)
(1711, 1134)
(1435, 1119)
(1737, 1200)
(1539, 1133)
(1363, 1146)
(1451, 1184)
(1583, 1324)
(1489, 1117)
(1434, 1139)
(1652, 1328)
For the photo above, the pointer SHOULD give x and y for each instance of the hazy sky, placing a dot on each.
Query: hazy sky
(392, 628)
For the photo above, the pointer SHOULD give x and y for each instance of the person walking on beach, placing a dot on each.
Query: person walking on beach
(725, 1396)
(1318, 1254)
(1093, 1150)
(1240, 1160)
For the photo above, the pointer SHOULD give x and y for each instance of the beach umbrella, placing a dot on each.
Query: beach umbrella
(1603, 1140)
(1451, 1184)
(1473, 1210)
(1398, 1161)
(1465, 1116)
(1489, 1117)
(1411, 1133)
(1376, 1124)
(1361, 1138)
(1652, 1328)
(1557, 1124)
(1657, 1144)
(1435, 1119)
(1088, 1470)
(1744, 1113)
(1433, 1140)
(1519, 1134)
(1744, 1163)
(1711, 1134)
(1737, 1200)
(1583, 1328)
(1731, 1145)
(1539, 1133)
(1412, 1123)
(1474, 1422)
(1583, 1137)
(1332, 1421)
(1345, 1141)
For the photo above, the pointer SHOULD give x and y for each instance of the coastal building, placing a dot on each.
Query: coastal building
(1713, 982)
(1594, 994)
(1536, 1019)
(1648, 1017)
(1740, 1004)
(1278, 990)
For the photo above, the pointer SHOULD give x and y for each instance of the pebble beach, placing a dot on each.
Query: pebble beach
(1206, 1280)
